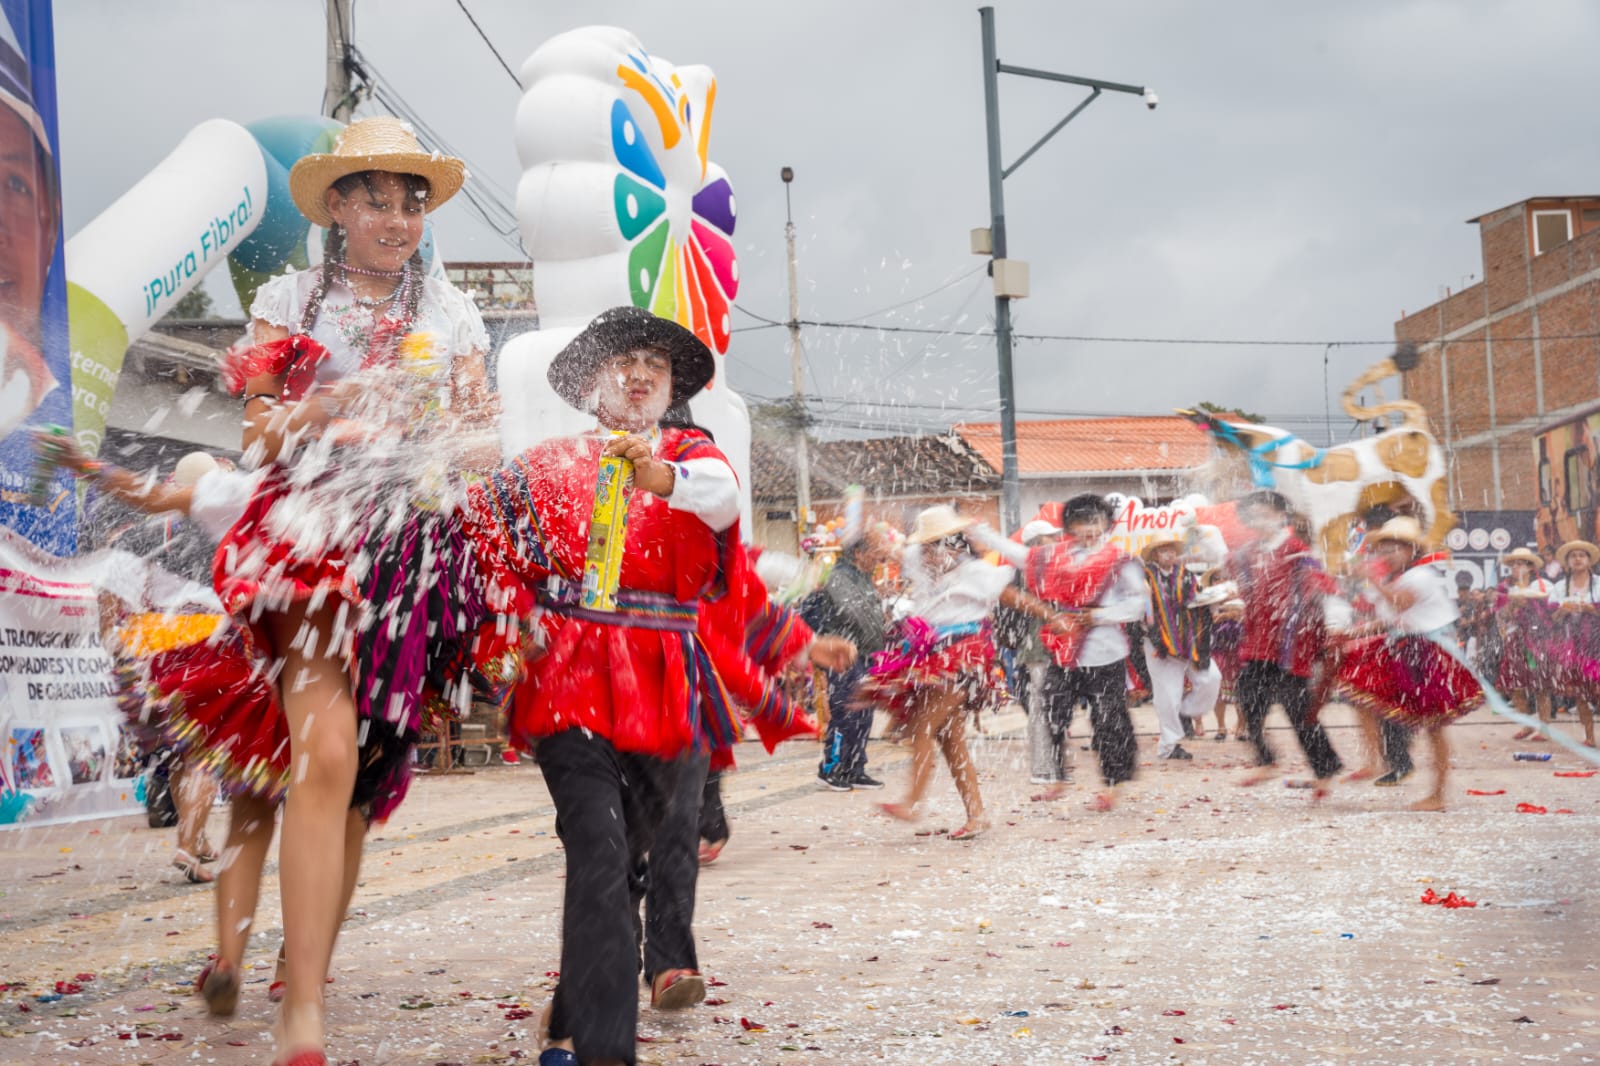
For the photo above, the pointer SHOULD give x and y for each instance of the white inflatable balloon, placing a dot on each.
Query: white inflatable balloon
(619, 203)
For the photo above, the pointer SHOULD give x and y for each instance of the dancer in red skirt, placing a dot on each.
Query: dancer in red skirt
(364, 396)
(1576, 655)
(1525, 618)
(1403, 671)
(939, 669)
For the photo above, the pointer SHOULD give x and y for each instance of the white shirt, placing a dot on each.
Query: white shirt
(446, 320)
(1125, 601)
(1561, 594)
(1432, 608)
(965, 594)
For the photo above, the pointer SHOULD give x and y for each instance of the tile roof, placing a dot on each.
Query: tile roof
(1092, 445)
(890, 466)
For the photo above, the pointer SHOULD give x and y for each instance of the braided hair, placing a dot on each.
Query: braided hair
(333, 252)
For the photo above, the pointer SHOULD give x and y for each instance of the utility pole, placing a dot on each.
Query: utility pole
(1011, 275)
(337, 100)
(802, 455)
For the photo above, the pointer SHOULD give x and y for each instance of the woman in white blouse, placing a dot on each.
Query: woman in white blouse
(1577, 601)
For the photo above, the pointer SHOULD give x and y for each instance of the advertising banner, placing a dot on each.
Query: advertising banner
(1481, 538)
(35, 368)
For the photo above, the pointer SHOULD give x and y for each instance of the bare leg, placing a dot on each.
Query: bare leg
(251, 823)
(1527, 703)
(1371, 748)
(953, 742)
(322, 736)
(927, 718)
(1434, 801)
(1586, 718)
(193, 790)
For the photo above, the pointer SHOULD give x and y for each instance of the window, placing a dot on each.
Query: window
(1577, 469)
(1551, 229)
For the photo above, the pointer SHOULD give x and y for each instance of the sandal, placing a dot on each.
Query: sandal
(192, 868)
(218, 985)
(969, 832)
(1222, 734)
(710, 851)
(677, 989)
(275, 989)
(308, 1057)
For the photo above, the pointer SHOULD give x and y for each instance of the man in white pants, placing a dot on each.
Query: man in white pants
(1177, 645)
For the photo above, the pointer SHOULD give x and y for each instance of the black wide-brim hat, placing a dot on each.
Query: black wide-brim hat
(624, 329)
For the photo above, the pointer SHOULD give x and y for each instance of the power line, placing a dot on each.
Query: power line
(503, 64)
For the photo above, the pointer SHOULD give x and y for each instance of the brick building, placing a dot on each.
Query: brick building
(1517, 352)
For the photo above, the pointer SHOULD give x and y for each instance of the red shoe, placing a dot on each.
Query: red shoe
(677, 989)
(308, 1057)
(218, 985)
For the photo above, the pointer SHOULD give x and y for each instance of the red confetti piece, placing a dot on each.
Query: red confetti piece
(822, 925)
(169, 1036)
(752, 1027)
(516, 1014)
(237, 1043)
(67, 988)
(716, 1002)
(1530, 808)
(552, 973)
(85, 1042)
(24, 1008)
(1283, 1006)
(1451, 900)
(712, 982)
(126, 1036)
(1575, 773)
(1173, 1013)
(1482, 792)
(1062, 944)
(84, 977)
(1177, 1040)
(508, 1006)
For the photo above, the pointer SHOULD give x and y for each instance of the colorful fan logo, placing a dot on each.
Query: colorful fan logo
(691, 277)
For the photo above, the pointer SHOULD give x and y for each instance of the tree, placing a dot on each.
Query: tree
(196, 303)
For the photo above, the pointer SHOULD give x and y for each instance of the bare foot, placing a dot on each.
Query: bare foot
(1523, 734)
(1260, 776)
(1364, 774)
(900, 812)
(1539, 738)
(1104, 801)
(1429, 803)
(1054, 792)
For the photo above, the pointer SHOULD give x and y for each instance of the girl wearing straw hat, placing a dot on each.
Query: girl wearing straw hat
(939, 669)
(349, 567)
(1577, 650)
(1522, 612)
(1402, 671)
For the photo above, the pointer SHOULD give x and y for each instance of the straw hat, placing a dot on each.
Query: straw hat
(1522, 555)
(1039, 528)
(1575, 545)
(379, 143)
(936, 523)
(623, 329)
(1405, 529)
(1161, 540)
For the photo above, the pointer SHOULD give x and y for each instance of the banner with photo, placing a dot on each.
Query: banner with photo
(35, 364)
(67, 751)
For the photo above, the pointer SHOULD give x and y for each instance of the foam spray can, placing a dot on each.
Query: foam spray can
(1531, 756)
(608, 532)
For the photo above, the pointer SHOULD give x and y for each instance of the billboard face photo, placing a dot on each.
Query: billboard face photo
(35, 364)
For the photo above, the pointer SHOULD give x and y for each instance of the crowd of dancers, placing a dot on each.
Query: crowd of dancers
(377, 564)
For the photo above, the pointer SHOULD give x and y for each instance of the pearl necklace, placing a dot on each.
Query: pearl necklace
(375, 302)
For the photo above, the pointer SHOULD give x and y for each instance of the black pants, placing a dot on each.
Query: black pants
(1262, 684)
(1105, 690)
(1396, 740)
(673, 873)
(609, 805)
(713, 816)
(844, 745)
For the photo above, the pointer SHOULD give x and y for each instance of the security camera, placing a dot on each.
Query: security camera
(1151, 99)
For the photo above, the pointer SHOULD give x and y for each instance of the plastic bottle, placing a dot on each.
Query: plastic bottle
(1531, 756)
(44, 469)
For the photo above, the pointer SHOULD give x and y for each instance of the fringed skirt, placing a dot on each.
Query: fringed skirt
(406, 594)
(1407, 678)
(920, 656)
(1574, 656)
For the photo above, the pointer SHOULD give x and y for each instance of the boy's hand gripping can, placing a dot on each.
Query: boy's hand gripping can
(608, 532)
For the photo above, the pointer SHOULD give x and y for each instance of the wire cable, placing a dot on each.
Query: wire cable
(503, 64)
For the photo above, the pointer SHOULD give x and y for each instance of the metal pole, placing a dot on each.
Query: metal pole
(336, 99)
(802, 468)
(1010, 487)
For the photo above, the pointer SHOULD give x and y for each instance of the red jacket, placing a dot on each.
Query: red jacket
(1283, 590)
(648, 690)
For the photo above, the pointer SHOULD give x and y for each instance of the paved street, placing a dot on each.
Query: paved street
(1198, 923)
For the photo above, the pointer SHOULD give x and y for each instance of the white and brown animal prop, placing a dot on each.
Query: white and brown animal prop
(1403, 467)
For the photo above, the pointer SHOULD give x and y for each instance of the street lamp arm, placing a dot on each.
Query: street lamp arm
(1088, 83)
(1040, 143)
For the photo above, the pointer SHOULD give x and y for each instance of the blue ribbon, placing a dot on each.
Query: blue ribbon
(1260, 466)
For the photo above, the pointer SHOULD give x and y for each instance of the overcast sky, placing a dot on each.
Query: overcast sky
(1307, 175)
